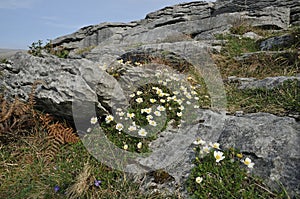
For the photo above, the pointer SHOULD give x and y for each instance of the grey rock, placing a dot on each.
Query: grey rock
(252, 35)
(65, 82)
(267, 83)
(279, 42)
(240, 80)
(230, 6)
(187, 21)
(272, 143)
(173, 149)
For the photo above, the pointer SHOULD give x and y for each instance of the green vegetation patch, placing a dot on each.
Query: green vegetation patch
(224, 174)
(280, 100)
(74, 173)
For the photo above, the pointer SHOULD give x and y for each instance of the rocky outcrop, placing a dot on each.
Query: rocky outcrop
(63, 82)
(270, 141)
(188, 21)
(180, 36)
(266, 83)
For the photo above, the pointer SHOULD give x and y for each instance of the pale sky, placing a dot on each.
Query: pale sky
(26, 21)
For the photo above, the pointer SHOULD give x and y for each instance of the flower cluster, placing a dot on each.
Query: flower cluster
(152, 106)
(203, 148)
(218, 154)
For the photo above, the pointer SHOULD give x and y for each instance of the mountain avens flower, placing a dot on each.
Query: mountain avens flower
(142, 132)
(152, 123)
(152, 100)
(130, 115)
(199, 180)
(132, 128)
(199, 142)
(139, 100)
(218, 155)
(139, 145)
(139, 92)
(94, 120)
(119, 127)
(161, 108)
(157, 113)
(248, 162)
(109, 119)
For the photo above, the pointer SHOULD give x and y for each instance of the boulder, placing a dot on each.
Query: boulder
(273, 144)
(64, 81)
(279, 42)
(270, 141)
(267, 83)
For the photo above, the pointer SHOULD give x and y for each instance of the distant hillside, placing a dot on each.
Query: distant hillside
(8, 52)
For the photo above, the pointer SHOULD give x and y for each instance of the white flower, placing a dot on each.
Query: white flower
(183, 88)
(142, 132)
(161, 94)
(199, 180)
(181, 107)
(139, 92)
(215, 145)
(132, 95)
(196, 106)
(120, 61)
(152, 122)
(188, 96)
(89, 130)
(174, 98)
(179, 114)
(130, 115)
(175, 92)
(132, 128)
(139, 100)
(196, 98)
(219, 156)
(94, 120)
(161, 108)
(199, 141)
(193, 92)
(162, 100)
(125, 147)
(139, 145)
(147, 110)
(206, 149)
(157, 113)
(109, 119)
(159, 91)
(179, 101)
(152, 100)
(121, 114)
(149, 117)
(188, 102)
(119, 127)
(248, 162)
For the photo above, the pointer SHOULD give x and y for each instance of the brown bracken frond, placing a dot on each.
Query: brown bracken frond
(19, 118)
(58, 135)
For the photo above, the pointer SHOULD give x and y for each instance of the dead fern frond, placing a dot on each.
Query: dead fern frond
(58, 135)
